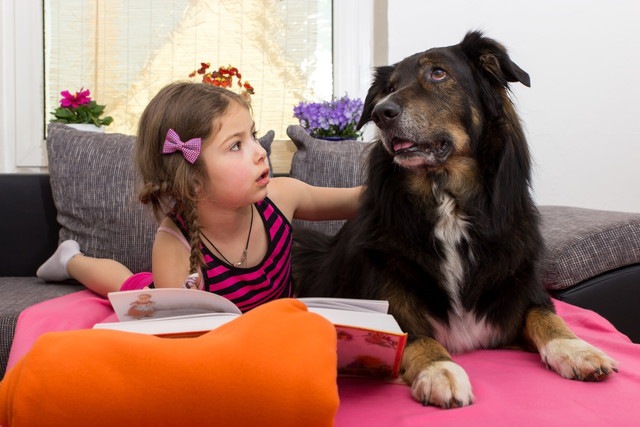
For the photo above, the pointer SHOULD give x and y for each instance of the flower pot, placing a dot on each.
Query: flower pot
(87, 127)
(334, 138)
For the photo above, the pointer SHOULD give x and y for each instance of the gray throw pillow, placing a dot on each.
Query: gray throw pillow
(583, 243)
(93, 184)
(325, 163)
(92, 179)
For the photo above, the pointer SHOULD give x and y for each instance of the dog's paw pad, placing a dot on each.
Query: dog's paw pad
(577, 360)
(443, 384)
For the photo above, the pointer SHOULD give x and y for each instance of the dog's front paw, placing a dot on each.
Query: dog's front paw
(577, 360)
(443, 384)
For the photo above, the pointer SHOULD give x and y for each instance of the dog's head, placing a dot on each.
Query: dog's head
(433, 106)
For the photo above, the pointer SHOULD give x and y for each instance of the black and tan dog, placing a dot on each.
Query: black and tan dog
(447, 231)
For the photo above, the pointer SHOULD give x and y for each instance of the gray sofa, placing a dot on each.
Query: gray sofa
(592, 258)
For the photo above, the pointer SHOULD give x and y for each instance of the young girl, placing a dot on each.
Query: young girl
(224, 223)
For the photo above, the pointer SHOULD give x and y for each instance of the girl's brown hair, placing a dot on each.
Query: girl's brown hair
(169, 181)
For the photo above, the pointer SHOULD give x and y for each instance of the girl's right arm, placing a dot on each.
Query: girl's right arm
(170, 258)
(297, 199)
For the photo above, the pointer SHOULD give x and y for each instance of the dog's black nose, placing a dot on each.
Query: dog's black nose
(385, 112)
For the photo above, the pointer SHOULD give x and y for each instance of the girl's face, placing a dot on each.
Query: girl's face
(235, 161)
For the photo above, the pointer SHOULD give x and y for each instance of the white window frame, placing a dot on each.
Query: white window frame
(21, 90)
(22, 118)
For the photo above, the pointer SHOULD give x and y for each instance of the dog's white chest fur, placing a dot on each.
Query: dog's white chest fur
(464, 332)
(451, 230)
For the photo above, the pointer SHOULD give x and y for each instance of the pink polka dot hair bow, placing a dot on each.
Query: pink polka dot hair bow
(190, 149)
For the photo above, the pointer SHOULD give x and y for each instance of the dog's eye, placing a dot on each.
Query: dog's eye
(438, 74)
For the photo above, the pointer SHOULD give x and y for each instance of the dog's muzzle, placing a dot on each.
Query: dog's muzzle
(412, 154)
(408, 151)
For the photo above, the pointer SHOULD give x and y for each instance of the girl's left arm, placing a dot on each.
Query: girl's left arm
(303, 201)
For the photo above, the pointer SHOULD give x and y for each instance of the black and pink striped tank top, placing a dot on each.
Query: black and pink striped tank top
(270, 279)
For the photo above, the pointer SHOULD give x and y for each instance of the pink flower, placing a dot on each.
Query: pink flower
(80, 108)
(74, 101)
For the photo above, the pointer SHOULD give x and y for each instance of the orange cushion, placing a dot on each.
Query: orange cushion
(273, 366)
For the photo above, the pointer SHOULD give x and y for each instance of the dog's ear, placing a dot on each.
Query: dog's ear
(379, 87)
(493, 59)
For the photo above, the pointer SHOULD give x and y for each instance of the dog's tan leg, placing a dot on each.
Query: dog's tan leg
(562, 351)
(435, 379)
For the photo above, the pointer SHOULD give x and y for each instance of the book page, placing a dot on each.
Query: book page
(378, 306)
(190, 325)
(366, 320)
(167, 302)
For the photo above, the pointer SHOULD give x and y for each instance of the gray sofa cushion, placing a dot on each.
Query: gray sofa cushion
(584, 243)
(326, 164)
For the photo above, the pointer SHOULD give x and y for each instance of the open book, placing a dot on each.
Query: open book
(370, 341)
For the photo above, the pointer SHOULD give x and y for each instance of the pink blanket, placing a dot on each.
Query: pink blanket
(511, 387)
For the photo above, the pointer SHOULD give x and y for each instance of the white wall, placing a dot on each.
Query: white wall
(582, 112)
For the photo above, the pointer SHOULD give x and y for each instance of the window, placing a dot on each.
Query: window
(22, 105)
(124, 51)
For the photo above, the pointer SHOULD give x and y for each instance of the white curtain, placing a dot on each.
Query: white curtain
(124, 51)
